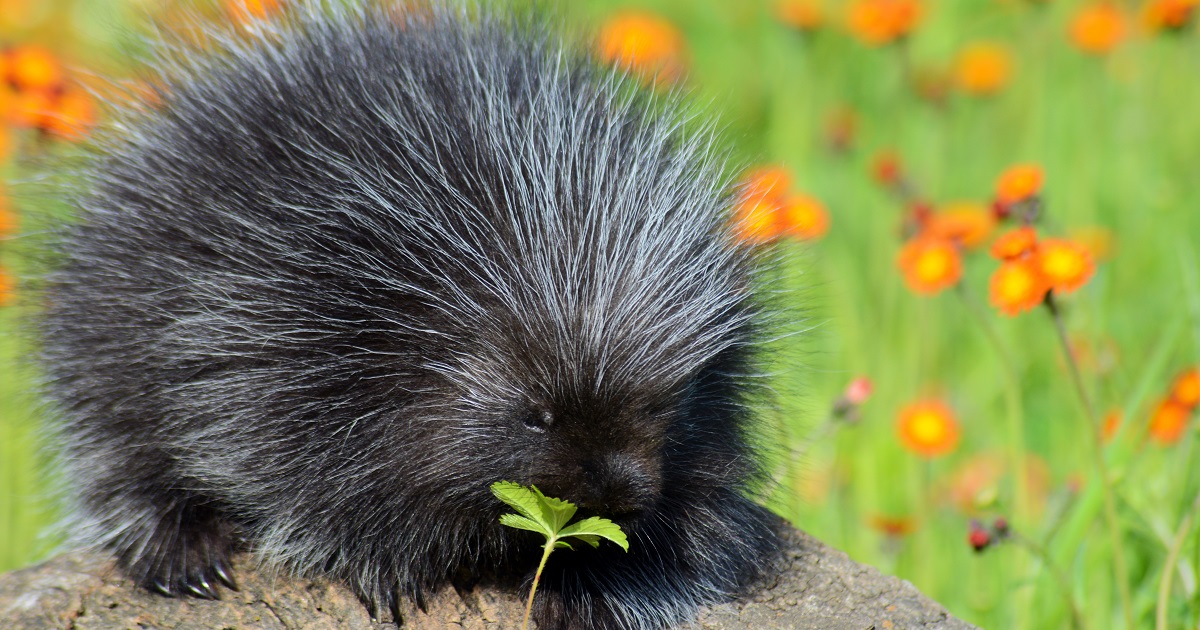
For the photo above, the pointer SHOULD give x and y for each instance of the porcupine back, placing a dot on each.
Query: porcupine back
(319, 285)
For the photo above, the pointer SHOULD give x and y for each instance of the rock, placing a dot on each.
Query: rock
(818, 587)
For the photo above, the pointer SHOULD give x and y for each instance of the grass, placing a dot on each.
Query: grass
(1117, 136)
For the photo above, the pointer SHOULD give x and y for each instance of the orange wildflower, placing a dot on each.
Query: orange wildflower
(1015, 244)
(8, 288)
(1186, 389)
(643, 42)
(1112, 423)
(965, 223)
(70, 115)
(1169, 421)
(930, 264)
(766, 182)
(29, 108)
(927, 428)
(757, 220)
(1169, 15)
(6, 139)
(1066, 265)
(879, 22)
(886, 168)
(804, 217)
(8, 219)
(1098, 28)
(803, 15)
(1018, 285)
(247, 11)
(894, 526)
(983, 68)
(974, 485)
(1018, 183)
(33, 68)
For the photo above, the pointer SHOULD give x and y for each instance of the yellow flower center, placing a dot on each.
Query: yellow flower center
(1062, 264)
(927, 427)
(933, 264)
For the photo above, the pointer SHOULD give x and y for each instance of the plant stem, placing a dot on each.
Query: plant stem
(1012, 403)
(1077, 620)
(1168, 572)
(537, 577)
(1015, 426)
(1110, 503)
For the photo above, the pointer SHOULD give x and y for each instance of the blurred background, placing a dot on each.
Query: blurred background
(990, 211)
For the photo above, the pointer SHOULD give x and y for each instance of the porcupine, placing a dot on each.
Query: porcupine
(339, 275)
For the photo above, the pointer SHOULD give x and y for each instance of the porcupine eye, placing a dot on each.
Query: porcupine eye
(537, 420)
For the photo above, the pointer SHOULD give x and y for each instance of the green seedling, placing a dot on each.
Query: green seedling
(549, 517)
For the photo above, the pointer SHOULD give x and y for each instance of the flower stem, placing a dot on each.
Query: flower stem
(1168, 572)
(537, 577)
(1093, 422)
(1077, 620)
(1012, 402)
(1015, 426)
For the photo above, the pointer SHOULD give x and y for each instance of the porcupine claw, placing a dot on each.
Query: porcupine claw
(224, 573)
(161, 587)
(198, 586)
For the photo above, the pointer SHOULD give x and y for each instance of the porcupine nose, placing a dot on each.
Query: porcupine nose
(620, 485)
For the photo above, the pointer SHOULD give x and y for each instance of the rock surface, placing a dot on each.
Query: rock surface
(818, 588)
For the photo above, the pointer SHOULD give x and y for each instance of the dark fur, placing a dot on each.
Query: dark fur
(357, 267)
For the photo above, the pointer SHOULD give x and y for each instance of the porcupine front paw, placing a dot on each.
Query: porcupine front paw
(186, 553)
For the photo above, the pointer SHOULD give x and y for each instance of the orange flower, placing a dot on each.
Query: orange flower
(1018, 183)
(804, 217)
(6, 139)
(879, 22)
(1112, 423)
(930, 264)
(33, 68)
(1169, 15)
(1015, 244)
(1065, 264)
(1169, 421)
(70, 115)
(757, 220)
(927, 428)
(803, 15)
(1186, 389)
(643, 42)
(1018, 285)
(1098, 28)
(983, 68)
(247, 11)
(886, 168)
(30, 107)
(974, 485)
(8, 218)
(894, 526)
(766, 182)
(965, 223)
(8, 288)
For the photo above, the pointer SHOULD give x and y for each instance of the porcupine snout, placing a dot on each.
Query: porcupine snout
(620, 485)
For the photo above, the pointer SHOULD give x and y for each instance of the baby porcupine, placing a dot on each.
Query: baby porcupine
(344, 273)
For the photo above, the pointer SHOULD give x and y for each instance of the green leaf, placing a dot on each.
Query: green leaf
(596, 526)
(589, 539)
(519, 498)
(520, 522)
(555, 512)
(560, 544)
